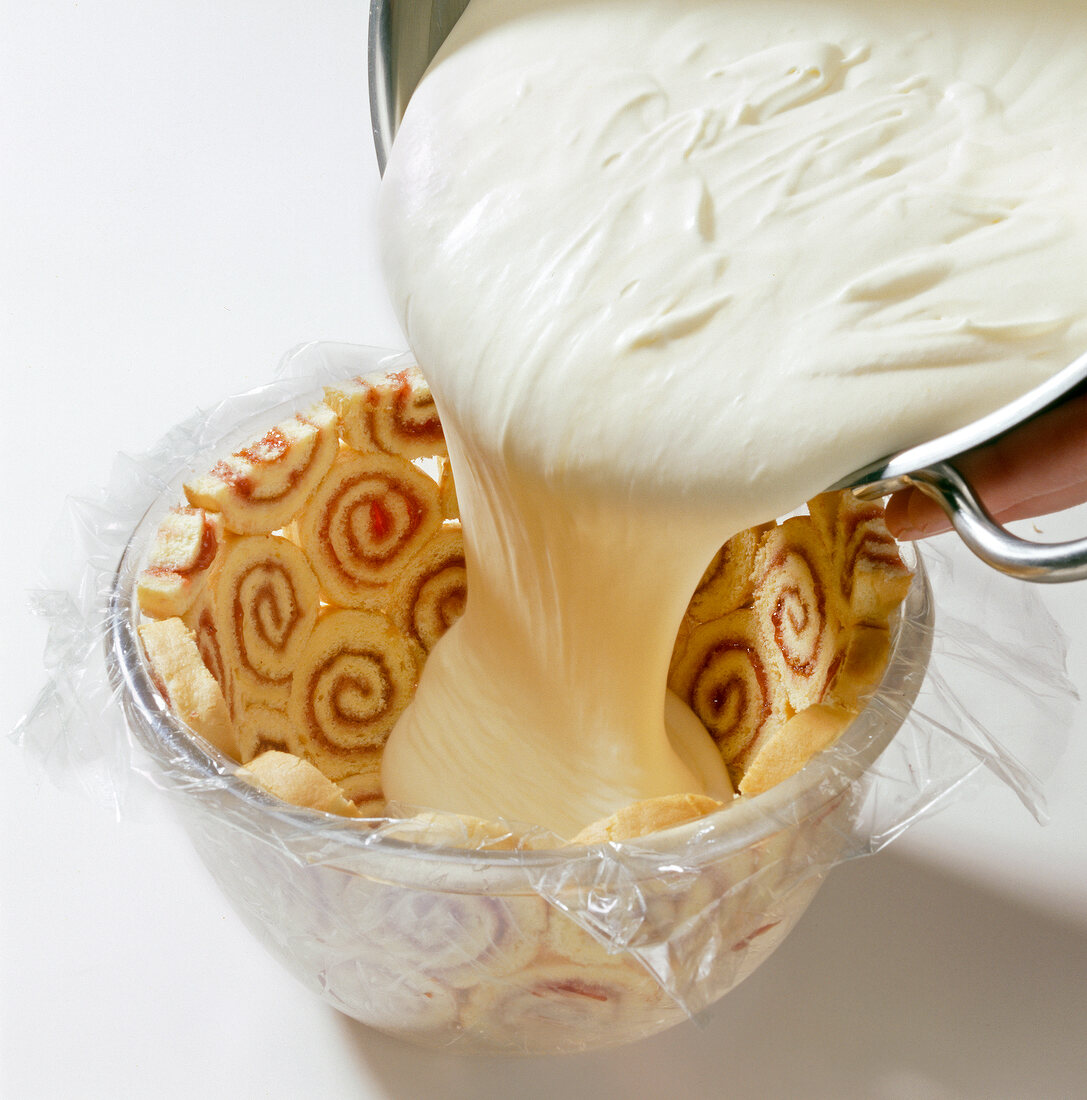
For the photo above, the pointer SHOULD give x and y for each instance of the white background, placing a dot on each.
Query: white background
(188, 193)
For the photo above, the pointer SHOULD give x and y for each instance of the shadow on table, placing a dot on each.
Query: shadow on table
(899, 982)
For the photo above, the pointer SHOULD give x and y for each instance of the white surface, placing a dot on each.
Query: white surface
(189, 193)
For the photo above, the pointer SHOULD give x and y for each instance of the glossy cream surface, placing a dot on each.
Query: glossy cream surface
(672, 267)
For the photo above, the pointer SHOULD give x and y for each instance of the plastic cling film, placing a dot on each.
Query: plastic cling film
(499, 939)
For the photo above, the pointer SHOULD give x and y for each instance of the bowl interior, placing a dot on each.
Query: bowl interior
(187, 761)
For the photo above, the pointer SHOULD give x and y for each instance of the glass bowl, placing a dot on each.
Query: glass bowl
(534, 951)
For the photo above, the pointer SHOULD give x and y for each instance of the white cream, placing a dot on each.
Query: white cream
(671, 268)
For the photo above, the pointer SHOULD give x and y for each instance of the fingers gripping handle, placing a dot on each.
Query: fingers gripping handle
(1045, 563)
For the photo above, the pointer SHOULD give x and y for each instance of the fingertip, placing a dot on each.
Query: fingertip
(911, 515)
(896, 517)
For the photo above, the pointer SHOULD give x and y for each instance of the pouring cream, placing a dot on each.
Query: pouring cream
(671, 267)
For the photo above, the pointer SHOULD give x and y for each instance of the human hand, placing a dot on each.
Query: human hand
(1032, 471)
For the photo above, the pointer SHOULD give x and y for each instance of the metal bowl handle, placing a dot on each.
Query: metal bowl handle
(1045, 563)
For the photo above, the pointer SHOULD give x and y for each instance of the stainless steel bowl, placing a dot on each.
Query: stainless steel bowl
(404, 37)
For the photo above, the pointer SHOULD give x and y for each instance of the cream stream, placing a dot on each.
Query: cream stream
(671, 268)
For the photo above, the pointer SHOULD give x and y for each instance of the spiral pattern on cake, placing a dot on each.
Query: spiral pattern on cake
(729, 580)
(394, 413)
(352, 681)
(724, 676)
(266, 600)
(367, 518)
(798, 610)
(873, 578)
(432, 589)
(259, 488)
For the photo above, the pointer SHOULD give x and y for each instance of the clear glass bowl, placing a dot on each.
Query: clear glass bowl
(515, 951)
